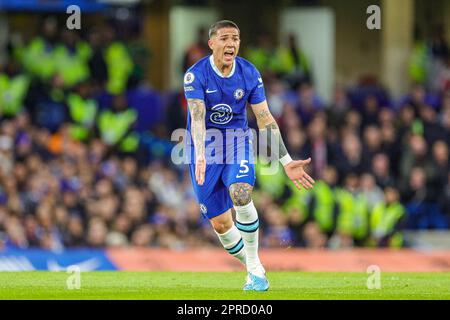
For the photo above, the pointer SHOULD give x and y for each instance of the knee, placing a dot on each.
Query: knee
(222, 226)
(241, 193)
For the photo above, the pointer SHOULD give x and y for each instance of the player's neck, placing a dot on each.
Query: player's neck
(224, 70)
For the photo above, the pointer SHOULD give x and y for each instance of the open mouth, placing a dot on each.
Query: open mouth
(229, 54)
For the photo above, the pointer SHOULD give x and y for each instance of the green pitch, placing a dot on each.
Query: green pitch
(221, 285)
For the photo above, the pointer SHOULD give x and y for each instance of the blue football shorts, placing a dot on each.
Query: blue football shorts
(213, 196)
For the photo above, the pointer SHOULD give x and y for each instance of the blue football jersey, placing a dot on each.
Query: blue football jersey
(229, 160)
(225, 97)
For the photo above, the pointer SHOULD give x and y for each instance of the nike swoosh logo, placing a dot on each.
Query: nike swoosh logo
(240, 176)
(87, 265)
(210, 91)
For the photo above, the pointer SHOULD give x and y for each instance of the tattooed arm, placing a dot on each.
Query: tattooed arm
(269, 127)
(197, 111)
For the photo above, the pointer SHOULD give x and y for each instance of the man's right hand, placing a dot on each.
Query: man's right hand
(200, 168)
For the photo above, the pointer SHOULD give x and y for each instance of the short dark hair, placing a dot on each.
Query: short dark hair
(222, 24)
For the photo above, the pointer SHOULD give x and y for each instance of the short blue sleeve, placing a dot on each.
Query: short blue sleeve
(257, 95)
(193, 85)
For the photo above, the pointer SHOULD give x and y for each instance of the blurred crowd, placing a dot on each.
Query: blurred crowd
(73, 171)
(381, 169)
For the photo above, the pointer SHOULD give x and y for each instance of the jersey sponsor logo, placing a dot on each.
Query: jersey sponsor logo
(222, 114)
(210, 91)
(189, 78)
(189, 88)
(241, 175)
(203, 208)
(238, 94)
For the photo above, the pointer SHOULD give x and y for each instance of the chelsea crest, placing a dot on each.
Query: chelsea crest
(238, 94)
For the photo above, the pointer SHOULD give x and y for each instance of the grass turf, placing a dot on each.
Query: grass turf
(221, 285)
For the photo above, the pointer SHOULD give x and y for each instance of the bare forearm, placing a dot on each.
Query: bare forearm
(269, 127)
(198, 130)
(275, 145)
(274, 134)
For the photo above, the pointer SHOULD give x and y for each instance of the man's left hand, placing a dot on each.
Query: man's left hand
(295, 170)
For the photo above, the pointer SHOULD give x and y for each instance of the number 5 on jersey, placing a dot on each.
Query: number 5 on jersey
(244, 169)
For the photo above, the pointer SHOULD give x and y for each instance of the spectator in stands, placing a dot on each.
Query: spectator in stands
(351, 160)
(415, 154)
(444, 200)
(6, 153)
(317, 145)
(96, 233)
(74, 235)
(97, 64)
(277, 233)
(372, 141)
(291, 63)
(442, 82)
(115, 126)
(71, 58)
(262, 54)
(387, 220)
(37, 56)
(308, 103)
(406, 120)
(275, 94)
(176, 111)
(15, 234)
(82, 109)
(47, 104)
(444, 119)
(381, 170)
(295, 140)
(323, 206)
(423, 212)
(120, 231)
(418, 96)
(14, 87)
(339, 107)
(420, 59)
(370, 110)
(432, 131)
(352, 123)
(143, 236)
(118, 62)
(353, 214)
(371, 191)
(313, 236)
(197, 50)
(31, 227)
(389, 144)
(439, 52)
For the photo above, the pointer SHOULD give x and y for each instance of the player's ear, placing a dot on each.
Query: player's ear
(210, 44)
